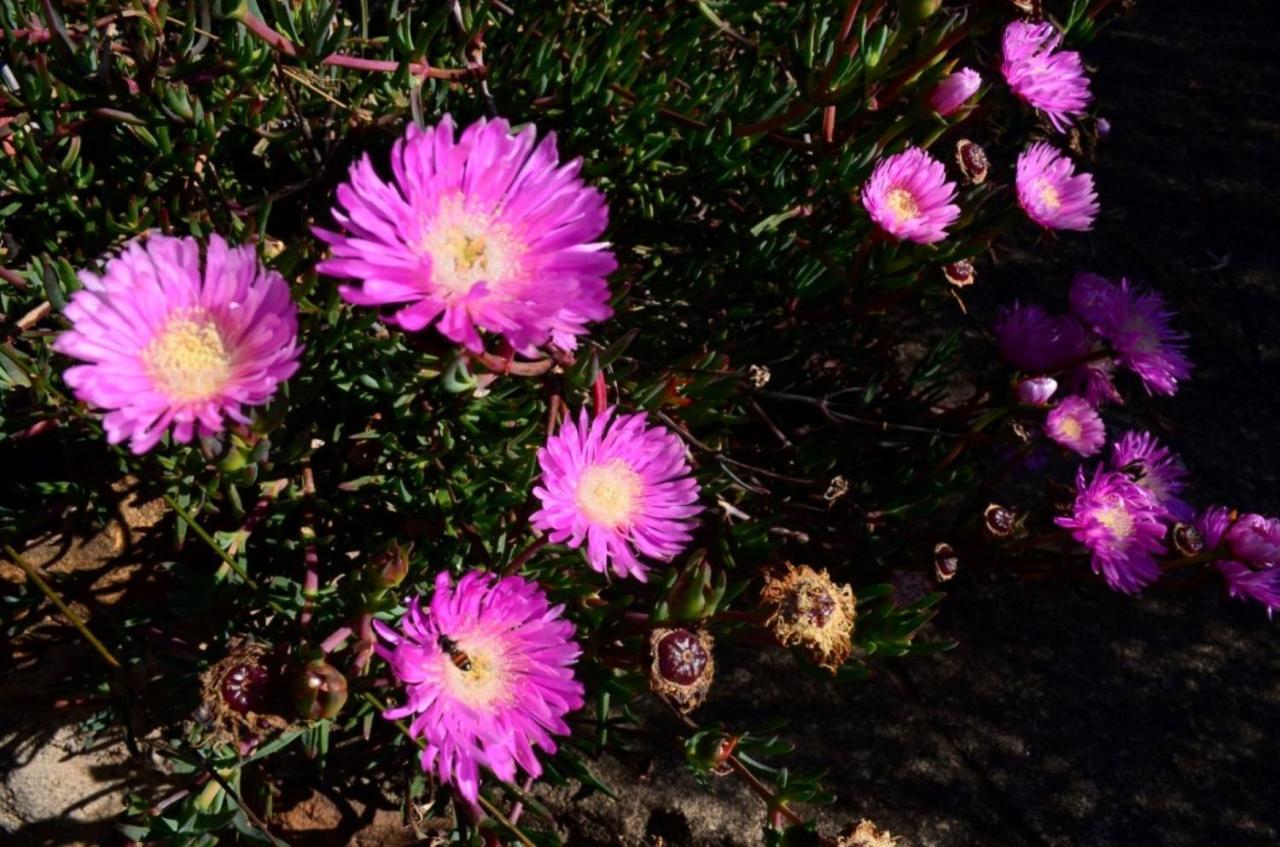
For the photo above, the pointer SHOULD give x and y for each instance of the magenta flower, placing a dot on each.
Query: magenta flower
(1032, 340)
(1045, 77)
(1147, 462)
(954, 91)
(1075, 425)
(1120, 524)
(171, 343)
(487, 676)
(483, 232)
(1052, 193)
(1036, 391)
(909, 197)
(1090, 298)
(1254, 538)
(1094, 380)
(1244, 582)
(619, 485)
(1138, 325)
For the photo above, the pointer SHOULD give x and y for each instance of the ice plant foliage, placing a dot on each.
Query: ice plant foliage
(620, 486)
(1052, 193)
(487, 674)
(1075, 425)
(1045, 77)
(909, 197)
(483, 231)
(174, 341)
(954, 91)
(1120, 524)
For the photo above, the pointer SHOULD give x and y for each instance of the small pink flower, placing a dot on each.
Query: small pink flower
(1052, 193)
(487, 231)
(488, 677)
(954, 91)
(1048, 79)
(1075, 424)
(620, 486)
(1036, 391)
(909, 197)
(170, 341)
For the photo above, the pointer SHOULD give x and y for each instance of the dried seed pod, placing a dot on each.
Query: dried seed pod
(1000, 521)
(945, 562)
(961, 274)
(681, 666)
(811, 612)
(973, 162)
(241, 693)
(1186, 539)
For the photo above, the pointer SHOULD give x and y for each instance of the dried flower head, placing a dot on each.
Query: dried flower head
(173, 341)
(865, 834)
(1001, 521)
(682, 666)
(812, 612)
(241, 694)
(945, 562)
(972, 161)
(961, 274)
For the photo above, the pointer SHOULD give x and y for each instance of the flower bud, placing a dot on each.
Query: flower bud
(694, 594)
(811, 612)
(913, 12)
(682, 667)
(1187, 540)
(1037, 390)
(945, 562)
(972, 161)
(954, 91)
(388, 568)
(961, 274)
(319, 690)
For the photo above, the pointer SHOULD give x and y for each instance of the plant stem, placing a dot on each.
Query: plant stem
(66, 610)
(524, 555)
(208, 539)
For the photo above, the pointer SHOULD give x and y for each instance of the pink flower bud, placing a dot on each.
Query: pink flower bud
(1036, 391)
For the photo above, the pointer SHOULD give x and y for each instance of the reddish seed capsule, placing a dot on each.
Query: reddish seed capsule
(961, 274)
(812, 612)
(972, 161)
(246, 688)
(682, 666)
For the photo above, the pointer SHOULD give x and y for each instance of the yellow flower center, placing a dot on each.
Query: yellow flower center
(188, 359)
(1116, 519)
(1070, 427)
(902, 204)
(467, 248)
(485, 683)
(1049, 196)
(608, 494)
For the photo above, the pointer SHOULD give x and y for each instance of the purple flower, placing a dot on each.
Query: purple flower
(909, 197)
(1138, 325)
(621, 487)
(1255, 539)
(1152, 466)
(1046, 78)
(1094, 381)
(954, 91)
(1036, 391)
(1090, 298)
(172, 343)
(1052, 193)
(485, 231)
(1075, 425)
(1120, 524)
(1262, 584)
(488, 677)
(1032, 340)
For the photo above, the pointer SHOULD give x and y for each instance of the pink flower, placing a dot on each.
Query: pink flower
(1032, 340)
(621, 487)
(171, 343)
(1120, 524)
(1075, 425)
(488, 677)
(1150, 464)
(483, 232)
(1254, 538)
(1139, 326)
(954, 91)
(1036, 391)
(1052, 193)
(1046, 78)
(1257, 580)
(909, 197)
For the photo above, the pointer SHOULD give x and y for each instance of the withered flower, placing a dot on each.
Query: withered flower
(812, 612)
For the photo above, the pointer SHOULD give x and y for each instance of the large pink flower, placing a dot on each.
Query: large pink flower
(487, 231)
(1052, 193)
(488, 677)
(171, 343)
(909, 197)
(1120, 523)
(1047, 78)
(621, 487)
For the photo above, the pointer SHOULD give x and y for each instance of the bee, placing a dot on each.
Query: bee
(460, 660)
(1135, 470)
